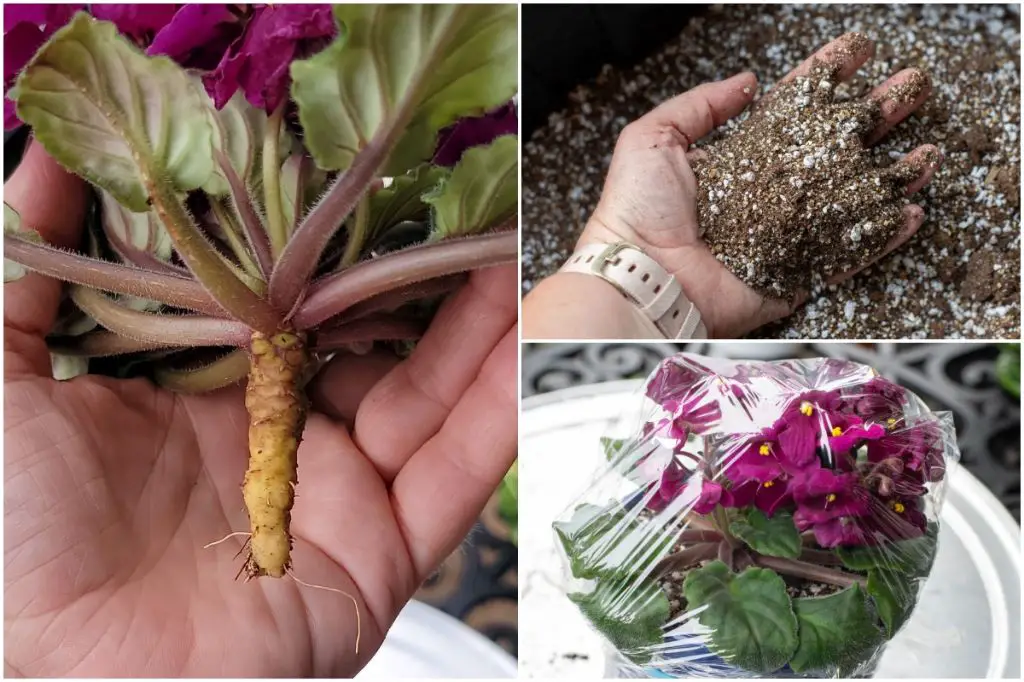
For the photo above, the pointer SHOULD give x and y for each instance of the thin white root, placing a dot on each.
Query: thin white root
(359, 622)
(227, 537)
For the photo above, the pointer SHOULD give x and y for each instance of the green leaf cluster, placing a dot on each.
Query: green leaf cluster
(775, 536)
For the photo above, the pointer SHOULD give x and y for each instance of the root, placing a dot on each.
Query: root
(277, 416)
(227, 537)
(355, 602)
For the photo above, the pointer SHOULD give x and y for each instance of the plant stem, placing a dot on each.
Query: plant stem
(297, 263)
(180, 330)
(357, 235)
(272, 182)
(802, 569)
(693, 535)
(100, 344)
(721, 520)
(688, 557)
(725, 554)
(227, 225)
(205, 263)
(396, 298)
(338, 292)
(255, 233)
(821, 557)
(173, 290)
(222, 372)
(381, 327)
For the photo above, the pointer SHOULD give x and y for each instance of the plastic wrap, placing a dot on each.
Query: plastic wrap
(765, 519)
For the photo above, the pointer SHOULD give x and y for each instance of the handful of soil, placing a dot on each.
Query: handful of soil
(791, 197)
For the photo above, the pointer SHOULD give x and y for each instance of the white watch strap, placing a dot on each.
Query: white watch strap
(638, 277)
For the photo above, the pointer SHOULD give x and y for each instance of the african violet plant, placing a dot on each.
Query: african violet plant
(265, 191)
(770, 519)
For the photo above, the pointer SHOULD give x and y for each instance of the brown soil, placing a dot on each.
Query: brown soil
(926, 288)
(792, 197)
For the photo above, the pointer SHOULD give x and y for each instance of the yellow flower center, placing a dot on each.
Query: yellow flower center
(769, 484)
(891, 422)
(898, 507)
(806, 409)
(836, 431)
(831, 497)
(764, 450)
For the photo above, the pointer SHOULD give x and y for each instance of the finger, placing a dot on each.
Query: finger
(409, 405)
(52, 202)
(697, 112)
(343, 383)
(898, 97)
(443, 488)
(923, 161)
(914, 217)
(845, 54)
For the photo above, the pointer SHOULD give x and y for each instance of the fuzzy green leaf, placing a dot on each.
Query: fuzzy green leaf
(401, 201)
(301, 185)
(400, 73)
(775, 536)
(911, 557)
(142, 232)
(600, 542)
(483, 190)
(629, 614)
(895, 597)
(837, 633)
(750, 615)
(238, 132)
(113, 115)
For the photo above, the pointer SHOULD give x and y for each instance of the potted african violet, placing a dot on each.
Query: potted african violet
(767, 519)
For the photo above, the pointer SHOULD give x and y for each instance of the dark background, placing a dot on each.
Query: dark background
(959, 377)
(565, 45)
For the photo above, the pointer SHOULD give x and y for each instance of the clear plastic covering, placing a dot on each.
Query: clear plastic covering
(765, 519)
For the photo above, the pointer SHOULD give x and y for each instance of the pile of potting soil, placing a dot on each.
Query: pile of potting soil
(958, 277)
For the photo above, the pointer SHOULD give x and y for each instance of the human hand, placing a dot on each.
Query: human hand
(650, 193)
(113, 487)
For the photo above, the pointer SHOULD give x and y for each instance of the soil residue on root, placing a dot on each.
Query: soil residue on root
(792, 197)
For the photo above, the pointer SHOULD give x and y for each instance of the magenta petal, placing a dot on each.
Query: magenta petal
(136, 20)
(798, 442)
(11, 120)
(52, 16)
(474, 131)
(710, 495)
(20, 45)
(197, 36)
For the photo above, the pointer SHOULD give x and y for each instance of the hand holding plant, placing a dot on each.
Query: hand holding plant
(273, 246)
(770, 519)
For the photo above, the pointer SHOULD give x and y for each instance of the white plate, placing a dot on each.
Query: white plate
(425, 643)
(966, 625)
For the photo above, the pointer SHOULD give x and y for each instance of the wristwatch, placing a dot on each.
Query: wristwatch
(653, 290)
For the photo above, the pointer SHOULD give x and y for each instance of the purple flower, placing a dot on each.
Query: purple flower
(473, 131)
(26, 28)
(139, 22)
(198, 36)
(710, 495)
(258, 61)
(841, 531)
(851, 432)
(803, 423)
(695, 412)
(757, 459)
(824, 495)
(892, 520)
(768, 496)
(878, 400)
(919, 446)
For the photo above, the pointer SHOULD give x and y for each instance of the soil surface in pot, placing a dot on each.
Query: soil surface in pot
(959, 277)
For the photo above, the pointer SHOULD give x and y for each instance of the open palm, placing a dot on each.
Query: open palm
(112, 488)
(650, 192)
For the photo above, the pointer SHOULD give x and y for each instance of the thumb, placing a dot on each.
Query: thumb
(52, 202)
(697, 112)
